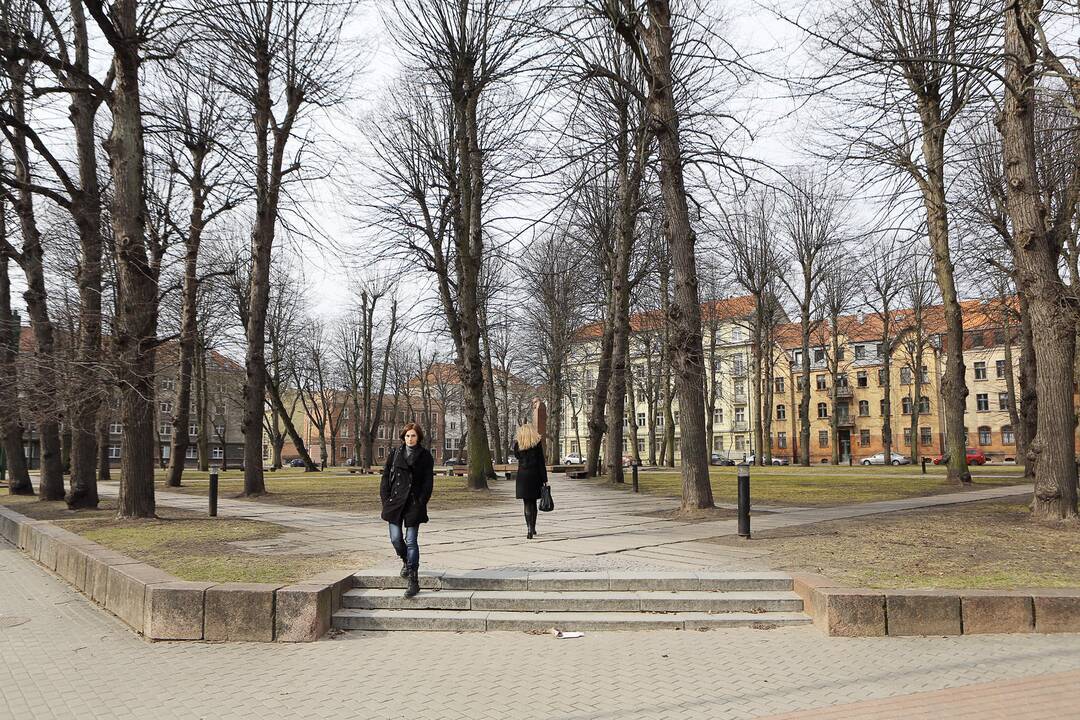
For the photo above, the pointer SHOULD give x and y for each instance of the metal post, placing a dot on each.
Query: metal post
(635, 477)
(924, 466)
(743, 474)
(213, 490)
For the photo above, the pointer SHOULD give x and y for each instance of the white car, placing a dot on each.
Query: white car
(776, 460)
(573, 459)
(879, 459)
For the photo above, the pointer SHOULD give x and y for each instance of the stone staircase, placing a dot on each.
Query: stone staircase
(479, 601)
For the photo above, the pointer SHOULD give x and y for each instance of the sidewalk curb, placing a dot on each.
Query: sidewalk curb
(161, 606)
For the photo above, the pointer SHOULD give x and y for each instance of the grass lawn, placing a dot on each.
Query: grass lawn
(828, 485)
(332, 489)
(190, 546)
(991, 544)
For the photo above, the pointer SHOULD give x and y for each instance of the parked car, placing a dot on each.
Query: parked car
(975, 456)
(879, 459)
(627, 460)
(350, 462)
(718, 459)
(296, 462)
(776, 460)
(455, 461)
(573, 459)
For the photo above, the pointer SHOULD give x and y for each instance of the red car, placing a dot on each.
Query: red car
(975, 456)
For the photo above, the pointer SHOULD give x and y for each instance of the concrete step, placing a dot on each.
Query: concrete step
(481, 621)
(608, 601)
(623, 581)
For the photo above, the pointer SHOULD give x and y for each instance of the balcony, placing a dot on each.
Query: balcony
(843, 392)
(739, 426)
(738, 371)
(845, 421)
(740, 398)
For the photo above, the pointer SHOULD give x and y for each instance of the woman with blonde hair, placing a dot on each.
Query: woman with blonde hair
(531, 476)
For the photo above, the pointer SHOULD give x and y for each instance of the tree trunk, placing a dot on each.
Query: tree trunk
(104, 472)
(917, 383)
(188, 327)
(11, 429)
(86, 211)
(685, 315)
(597, 420)
(31, 259)
(757, 370)
(202, 407)
(804, 393)
(1035, 252)
(1029, 399)
(137, 287)
(290, 428)
(493, 405)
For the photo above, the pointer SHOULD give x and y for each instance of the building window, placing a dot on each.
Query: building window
(382, 450)
(822, 382)
(219, 430)
(168, 384)
(736, 334)
(864, 408)
(882, 410)
(192, 452)
(797, 357)
(860, 352)
(192, 430)
(717, 417)
(905, 405)
(841, 380)
(216, 453)
(999, 368)
(719, 442)
(800, 383)
(905, 376)
(447, 445)
(861, 379)
(999, 337)
(344, 450)
(819, 356)
(740, 442)
(924, 375)
(984, 435)
(823, 438)
(864, 438)
(164, 430)
(740, 414)
(881, 377)
(925, 436)
(641, 419)
(1003, 401)
(660, 417)
(738, 365)
(982, 402)
(778, 384)
(907, 437)
(116, 428)
(977, 340)
(781, 440)
(344, 431)
(924, 404)
(822, 410)
(781, 412)
(1007, 437)
(114, 451)
(980, 371)
(166, 408)
(675, 417)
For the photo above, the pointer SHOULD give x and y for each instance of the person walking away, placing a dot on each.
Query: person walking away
(407, 481)
(531, 472)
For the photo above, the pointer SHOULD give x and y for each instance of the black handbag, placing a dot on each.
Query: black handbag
(546, 503)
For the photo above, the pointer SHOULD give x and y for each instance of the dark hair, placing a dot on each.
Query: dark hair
(413, 426)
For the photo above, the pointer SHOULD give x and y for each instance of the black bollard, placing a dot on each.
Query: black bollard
(744, 500)
(635, 477)
(924, 466)
(213, 490)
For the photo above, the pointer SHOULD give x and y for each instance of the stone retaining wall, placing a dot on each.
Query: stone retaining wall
(164, 607)
(862, 612)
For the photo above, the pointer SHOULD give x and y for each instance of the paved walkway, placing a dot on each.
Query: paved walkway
(593, 527)
(61, 657)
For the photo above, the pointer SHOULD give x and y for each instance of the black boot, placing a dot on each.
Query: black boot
(414, 584)
(404, 568)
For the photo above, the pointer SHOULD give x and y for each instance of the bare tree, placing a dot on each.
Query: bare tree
(11, 428)
(883, 272)
(919, 294)
(811, 222)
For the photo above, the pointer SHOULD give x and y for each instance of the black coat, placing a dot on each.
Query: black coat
(405, 490)
(531, 471)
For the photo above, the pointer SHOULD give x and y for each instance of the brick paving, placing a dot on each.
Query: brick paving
(60, 656)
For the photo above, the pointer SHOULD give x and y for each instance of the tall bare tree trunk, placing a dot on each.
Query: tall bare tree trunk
(597, 421)
(489, 387)
(1036, 252)
(11, 429)
(137, 286)
(757, 370)
(804, 391)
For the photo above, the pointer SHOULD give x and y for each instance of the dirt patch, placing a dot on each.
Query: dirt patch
(990, 544)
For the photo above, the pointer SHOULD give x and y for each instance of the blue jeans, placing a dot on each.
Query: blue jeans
(406, 547)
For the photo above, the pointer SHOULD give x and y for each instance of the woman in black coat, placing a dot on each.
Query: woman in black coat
(531, 472)
(407, 481)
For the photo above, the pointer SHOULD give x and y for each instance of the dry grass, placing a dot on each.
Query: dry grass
(188, 545)
(992, 544)
(829, 485)
(333, 489)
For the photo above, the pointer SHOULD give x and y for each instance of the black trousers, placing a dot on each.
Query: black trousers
(530, 513)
